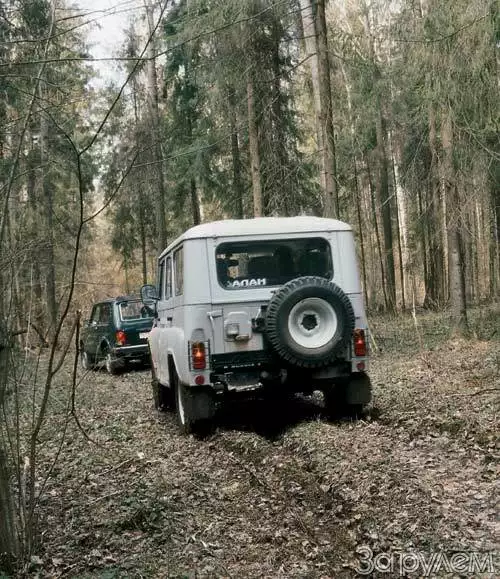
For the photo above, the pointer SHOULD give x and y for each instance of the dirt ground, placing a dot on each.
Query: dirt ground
(279, 492)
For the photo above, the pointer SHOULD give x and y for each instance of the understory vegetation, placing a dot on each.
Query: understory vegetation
(277, 492)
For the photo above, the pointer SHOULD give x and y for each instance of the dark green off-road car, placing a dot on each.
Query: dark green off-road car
(116, 335)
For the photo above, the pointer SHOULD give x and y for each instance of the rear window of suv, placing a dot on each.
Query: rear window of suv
(244, 264)
(132, 311)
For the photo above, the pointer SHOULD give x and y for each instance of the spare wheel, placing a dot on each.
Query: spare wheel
(309, 321)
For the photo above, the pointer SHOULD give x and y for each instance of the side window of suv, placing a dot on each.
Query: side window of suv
(96, 313)
(178, 272)
(161, 279)
(105, 316)
(168, 278)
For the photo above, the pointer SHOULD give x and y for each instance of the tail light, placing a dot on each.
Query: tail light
(198, 355)
(359, 339)
(121, 338)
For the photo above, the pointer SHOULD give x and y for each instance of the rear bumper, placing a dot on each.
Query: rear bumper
(131, 352)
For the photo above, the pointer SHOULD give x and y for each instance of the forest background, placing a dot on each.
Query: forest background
(384, 114)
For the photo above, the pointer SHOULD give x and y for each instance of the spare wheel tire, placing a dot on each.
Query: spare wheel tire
(309, 321)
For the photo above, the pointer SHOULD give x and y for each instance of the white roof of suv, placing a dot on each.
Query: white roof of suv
(261, 226)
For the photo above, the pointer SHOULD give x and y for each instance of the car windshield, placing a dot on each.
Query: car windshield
(133, 310)
(269, 263)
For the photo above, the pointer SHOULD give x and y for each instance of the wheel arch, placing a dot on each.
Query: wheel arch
(104, 345)
(172, 367)
(177, 356)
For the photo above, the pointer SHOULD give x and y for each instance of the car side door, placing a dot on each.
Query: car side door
(106, 325)
(90, 337)
(165, 306)
(154, 334)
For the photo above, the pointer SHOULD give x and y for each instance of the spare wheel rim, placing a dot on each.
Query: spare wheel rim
(312, 323)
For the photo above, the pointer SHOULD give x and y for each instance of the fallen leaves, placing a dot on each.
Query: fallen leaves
(283, 494)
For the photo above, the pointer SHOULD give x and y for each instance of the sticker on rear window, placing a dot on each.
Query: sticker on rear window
(249, 282)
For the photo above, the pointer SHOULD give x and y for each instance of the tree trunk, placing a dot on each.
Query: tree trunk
(48, 204)
(195, 204)
(385, 209)
(377, 232)
(436, 282)
(316, 44)
(469, 236)
(155, 128)
(281, 191)
(140, 204)
(360, 229)
(357, 193)
(400, 255)
(309, 36)
(235, 158)
(253, 137)
(383, 168)
(331, 207)
(455, 255)
(482, 245)
(142, 233)
(402, 221)
(494, 195)
(125, 268)
(7, 529)
(8, 538)
(424, 245)
(37, 312)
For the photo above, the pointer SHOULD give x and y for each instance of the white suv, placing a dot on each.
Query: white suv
(267, 304)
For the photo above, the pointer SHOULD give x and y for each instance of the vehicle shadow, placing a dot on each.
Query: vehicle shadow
(131, 369)
(271, 419)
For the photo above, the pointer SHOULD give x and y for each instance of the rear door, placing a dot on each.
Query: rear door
(134, 320)
(256, 269)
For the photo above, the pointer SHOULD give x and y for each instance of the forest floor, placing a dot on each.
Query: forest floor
(285, 494)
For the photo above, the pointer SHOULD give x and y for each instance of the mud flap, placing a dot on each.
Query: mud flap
(202, 404)
(358, 390)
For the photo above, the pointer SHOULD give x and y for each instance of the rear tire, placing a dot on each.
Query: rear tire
(112, 365)
(336, 404)
(162, 396)
(86, 361)
(185, 420)
(194, 410)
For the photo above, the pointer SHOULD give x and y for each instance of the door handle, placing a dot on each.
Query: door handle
(215, 314)
(169, 319)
